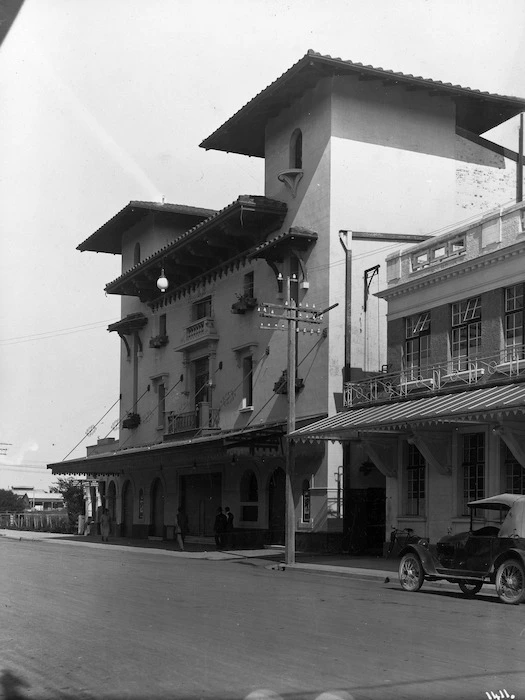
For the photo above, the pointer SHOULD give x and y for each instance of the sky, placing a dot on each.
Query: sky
(106, 101)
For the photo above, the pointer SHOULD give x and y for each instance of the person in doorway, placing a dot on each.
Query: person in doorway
(219, 528)
(105, 525)
(229, 528)
(182, 522)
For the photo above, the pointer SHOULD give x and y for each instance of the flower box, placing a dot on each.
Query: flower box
(158, 341)
(132, 421)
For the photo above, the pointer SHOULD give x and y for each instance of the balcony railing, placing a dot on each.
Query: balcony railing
(202, 418)
(414, 381)
(198, 332)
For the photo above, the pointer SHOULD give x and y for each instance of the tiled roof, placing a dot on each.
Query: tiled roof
(108, 238)
(477, 111)
(259, 205)
(477, 405)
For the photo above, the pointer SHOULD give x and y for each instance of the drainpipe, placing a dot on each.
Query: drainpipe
(345, 238)
(519, 168)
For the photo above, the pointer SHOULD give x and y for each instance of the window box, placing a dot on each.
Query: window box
(132, 421)
(158, 341)
(281, 386)
(244, 303)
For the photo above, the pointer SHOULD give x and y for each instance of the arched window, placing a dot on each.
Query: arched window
(296, 150)
(249, 492)
(136, 254)
(305, 492)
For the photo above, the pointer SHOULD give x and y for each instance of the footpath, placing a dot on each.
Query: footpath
(343, 564)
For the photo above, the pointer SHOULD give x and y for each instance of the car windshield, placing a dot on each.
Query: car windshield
(490, 515)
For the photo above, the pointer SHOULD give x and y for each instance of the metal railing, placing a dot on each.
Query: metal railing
(508, 363)
(203, 417)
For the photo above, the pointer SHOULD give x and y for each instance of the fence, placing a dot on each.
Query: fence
(42, 521)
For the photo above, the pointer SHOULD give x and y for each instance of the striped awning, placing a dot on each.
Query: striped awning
(484, 405)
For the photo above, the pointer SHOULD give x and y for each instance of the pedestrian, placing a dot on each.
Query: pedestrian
(178, 537)
(105, 525)
(229, 528)
(219, 528)
(182, 522)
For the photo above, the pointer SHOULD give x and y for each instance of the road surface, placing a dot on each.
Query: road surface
(85, 623)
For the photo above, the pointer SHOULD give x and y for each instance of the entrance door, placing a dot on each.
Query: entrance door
(127, 510)
(157, 509)
(276, 506)
(111, 501)
(201, 495)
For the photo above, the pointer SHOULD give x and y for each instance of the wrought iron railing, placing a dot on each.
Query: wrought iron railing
(203, 417)
(509, 363)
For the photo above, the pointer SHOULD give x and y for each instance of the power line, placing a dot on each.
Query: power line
(46, 335)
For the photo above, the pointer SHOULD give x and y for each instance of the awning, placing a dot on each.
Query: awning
(476, 406)
(117, 461)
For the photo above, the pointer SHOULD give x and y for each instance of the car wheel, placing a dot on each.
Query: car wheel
(411, 574)
(470, 589)
(510, 582)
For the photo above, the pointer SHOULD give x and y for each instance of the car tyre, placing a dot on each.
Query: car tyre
(469, 588)
(411, 574)
(510, 582)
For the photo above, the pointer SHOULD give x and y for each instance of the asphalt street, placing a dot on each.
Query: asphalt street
(101, 622)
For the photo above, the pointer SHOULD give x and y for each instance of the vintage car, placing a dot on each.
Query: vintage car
(494, 553)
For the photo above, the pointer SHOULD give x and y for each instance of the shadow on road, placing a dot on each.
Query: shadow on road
(11, 685)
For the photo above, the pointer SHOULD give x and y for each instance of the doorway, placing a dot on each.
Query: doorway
(276, 506)
(157, 509)
(201, 495)
(127, 510)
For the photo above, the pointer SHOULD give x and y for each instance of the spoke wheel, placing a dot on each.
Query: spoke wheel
(510, 582)
(470, 589)
(411, 575)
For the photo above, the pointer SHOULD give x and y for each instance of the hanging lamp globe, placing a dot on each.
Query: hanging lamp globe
(162, 282)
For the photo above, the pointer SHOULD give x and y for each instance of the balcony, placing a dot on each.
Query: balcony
(198, 333)
(508, 365)
(203, 420)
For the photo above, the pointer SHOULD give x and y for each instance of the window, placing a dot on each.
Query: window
(473, 468)
(466, 333)
(202, 380)
(162, 324)
(305, 516)
(415, 492)
(296, 150)
(202, 309)
(247, 381)
(437, 253)
(161, 405)
(514, 473)
(417, 345)
(248, 286)
(249, 496)
(514, 348)
(136, 254)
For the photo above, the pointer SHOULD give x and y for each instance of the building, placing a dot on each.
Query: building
(445, 424)
(38, 499)
(358, 161)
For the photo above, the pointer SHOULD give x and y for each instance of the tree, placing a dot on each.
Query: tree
(10, 502)
(73, 495)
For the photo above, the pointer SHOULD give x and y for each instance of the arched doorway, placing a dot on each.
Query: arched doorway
(111, 501)
(276, 506)
(157, 509)
(127, 510)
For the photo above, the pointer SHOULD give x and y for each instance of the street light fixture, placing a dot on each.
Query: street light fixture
(162, 282)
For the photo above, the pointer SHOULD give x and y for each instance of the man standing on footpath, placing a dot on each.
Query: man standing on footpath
(229, 528)
(219, 528)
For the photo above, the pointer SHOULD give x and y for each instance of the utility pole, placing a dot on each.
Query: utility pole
(287, 317)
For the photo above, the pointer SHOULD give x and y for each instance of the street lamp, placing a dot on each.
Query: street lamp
(162, 282)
